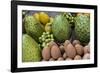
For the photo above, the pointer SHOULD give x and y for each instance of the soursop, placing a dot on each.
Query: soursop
(31, 51)
(61, 28)
(33, 27)
(82, 28)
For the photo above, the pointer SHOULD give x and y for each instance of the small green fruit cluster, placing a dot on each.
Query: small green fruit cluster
(45, 38)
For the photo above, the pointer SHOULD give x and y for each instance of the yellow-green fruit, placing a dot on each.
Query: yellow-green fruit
(51, 20)
(44, 18)
(48, 27)
(36, 15)
(33, 27)
(31, 51)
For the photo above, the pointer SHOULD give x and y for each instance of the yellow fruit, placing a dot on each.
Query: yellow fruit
(36, 15)
(48, 27)
(51, 20)
(44, 18)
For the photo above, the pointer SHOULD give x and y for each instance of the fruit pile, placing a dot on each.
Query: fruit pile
(65, 51)
(61, 36)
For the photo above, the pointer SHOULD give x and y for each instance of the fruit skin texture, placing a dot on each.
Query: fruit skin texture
(33, 27)
(82, 28)
(31, 51)
(61, 28)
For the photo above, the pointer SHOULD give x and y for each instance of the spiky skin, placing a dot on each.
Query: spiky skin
(31, 51)
(82, 28)
(33, 27)
(61, 28)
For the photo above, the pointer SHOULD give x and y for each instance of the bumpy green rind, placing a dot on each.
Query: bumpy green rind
(61, 28)
(82, 28)
(33, 27)
(31, 51)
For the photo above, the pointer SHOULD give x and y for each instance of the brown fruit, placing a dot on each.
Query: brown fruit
(64, 55)
(46, 53)
(60, 59)
(79, 49)
(76, 42)
(51, 59)
(66, 43)
(68, 59)
(70, 51)
(77, 57)
(55, 52)
(86, 56)
(86, 49)
(62, 48)
(50, 44)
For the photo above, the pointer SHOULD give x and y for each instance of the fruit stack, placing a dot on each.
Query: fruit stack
(65, 36)
(65, 51)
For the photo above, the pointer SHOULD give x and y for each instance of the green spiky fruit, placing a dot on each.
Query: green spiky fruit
(31, 51)
(33, 27)
(61, 28)
(82, 28)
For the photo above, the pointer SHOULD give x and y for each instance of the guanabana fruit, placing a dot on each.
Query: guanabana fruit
(82, 28)
(61, 28)
(33, 27)
(31, 51)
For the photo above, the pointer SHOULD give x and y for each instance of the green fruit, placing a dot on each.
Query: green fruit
(33, 27)
(82, 28)
(31, 51)
(45, 38)
(61, 28)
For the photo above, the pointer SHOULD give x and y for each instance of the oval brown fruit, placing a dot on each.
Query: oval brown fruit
(70, 51)
(79, 49)
(55, 52)
(46, 53)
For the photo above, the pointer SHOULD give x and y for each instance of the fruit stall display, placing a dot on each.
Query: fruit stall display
(55, 36)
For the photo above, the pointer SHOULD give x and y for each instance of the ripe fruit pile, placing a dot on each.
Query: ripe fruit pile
(61, 36)
(65, 51)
